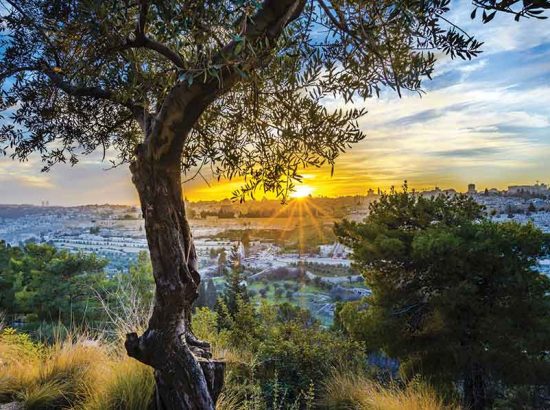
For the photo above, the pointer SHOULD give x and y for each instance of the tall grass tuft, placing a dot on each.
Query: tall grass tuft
(128, 385)
(57, 376)
(355, 391)
(77, 373)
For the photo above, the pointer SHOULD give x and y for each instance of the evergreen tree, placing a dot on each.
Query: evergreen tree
(245, 240)
(140, 279)
(207, 295)
(211, 294)
(51, 285)
(7, 278)
(201, 298)
(455, 296)
(222, 261)
(235, 287)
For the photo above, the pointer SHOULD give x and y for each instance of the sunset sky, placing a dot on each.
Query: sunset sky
(485, 121)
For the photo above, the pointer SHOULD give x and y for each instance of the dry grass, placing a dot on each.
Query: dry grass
(127, 385)
(76, 373)
(357, 392)
(125, 310)
(81, 373)
(55, 377)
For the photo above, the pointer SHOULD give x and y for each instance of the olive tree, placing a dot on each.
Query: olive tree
(237, 86)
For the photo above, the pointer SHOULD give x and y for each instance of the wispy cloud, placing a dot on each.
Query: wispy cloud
(485, 121)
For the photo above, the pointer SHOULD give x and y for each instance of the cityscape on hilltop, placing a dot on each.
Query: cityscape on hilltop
(281, 237)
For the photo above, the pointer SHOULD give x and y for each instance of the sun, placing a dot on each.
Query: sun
(302, 191)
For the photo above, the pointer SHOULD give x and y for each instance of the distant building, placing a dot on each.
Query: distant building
(537, 189)
(438, 191)
(336, 250)
(472, 189)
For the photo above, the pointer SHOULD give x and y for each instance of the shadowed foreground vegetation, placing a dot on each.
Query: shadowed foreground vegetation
(83, 372)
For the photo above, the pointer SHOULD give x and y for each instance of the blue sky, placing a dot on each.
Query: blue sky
(485, 121)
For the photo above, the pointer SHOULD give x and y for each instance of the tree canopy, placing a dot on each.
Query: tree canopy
(79, 76)
(50, 284)
(455, 296)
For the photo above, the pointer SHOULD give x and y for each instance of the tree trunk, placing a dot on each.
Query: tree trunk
(474, 389)
(186, 377)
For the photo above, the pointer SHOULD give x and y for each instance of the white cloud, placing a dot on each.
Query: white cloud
(502, 33)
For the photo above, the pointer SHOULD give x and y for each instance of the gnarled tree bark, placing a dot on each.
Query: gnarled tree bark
(186, 376)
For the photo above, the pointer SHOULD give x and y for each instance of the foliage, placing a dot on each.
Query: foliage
(333, 270)
(208, 295)
(222, 261)
(234, 292)
(245, 240)
(80, 76)
(525, 9)
(18, 347)
(54, 290)
(295, 239)
(205, 324)
(285, 349)
(49, 284)
(90, 373)
(140, 278)
(455, 296)
(300, 356)
(127, 299)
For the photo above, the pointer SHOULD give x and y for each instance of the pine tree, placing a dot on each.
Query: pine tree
(222, 261)
(245, 240)
(455, 296)
(211, 294)
(235, 287)
(207, 295)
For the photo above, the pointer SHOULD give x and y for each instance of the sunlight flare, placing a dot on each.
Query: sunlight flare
(302, 191)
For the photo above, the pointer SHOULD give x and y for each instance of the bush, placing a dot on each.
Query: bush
(296, 356)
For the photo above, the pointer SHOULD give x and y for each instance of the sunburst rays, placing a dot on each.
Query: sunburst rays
(300, 214)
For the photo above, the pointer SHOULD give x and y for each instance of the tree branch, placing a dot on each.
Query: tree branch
(142, 41)
(162, 49)
(341, 25)
(15, 70)
(32, 22)
(99, 93)
(268, 23)
(143, 10)
(186, 102)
